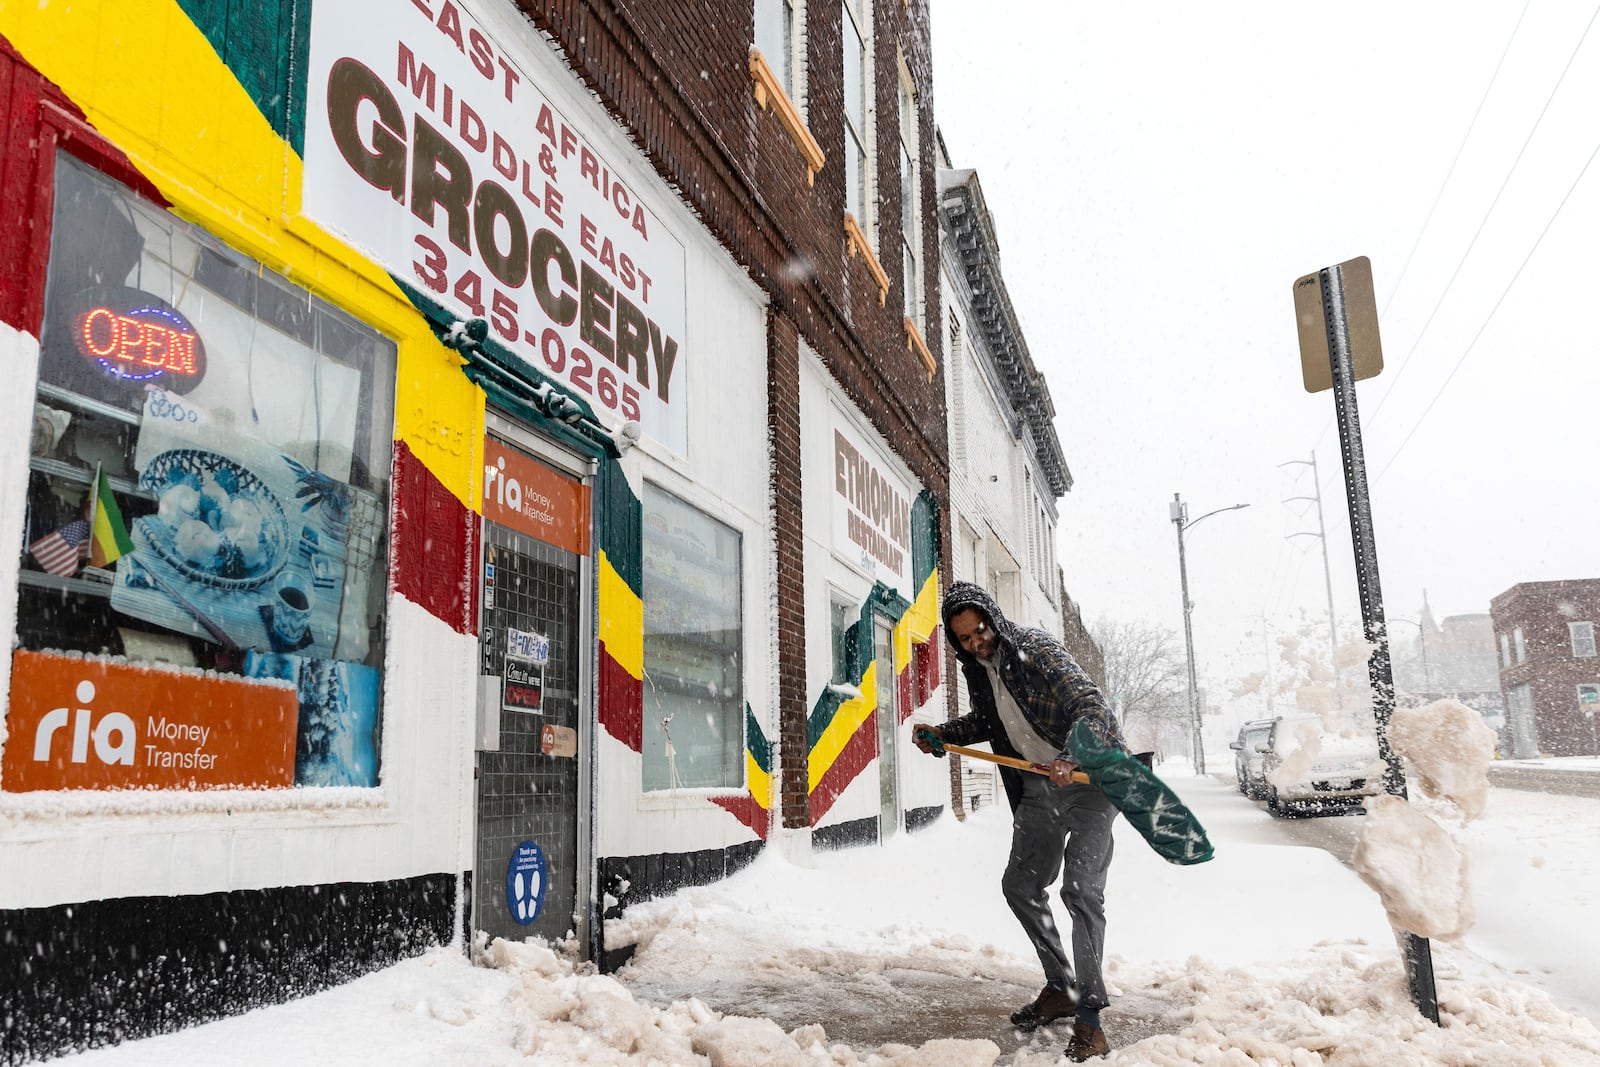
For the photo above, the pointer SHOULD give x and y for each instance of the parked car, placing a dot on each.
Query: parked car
(1310, 769)
(1248, 751)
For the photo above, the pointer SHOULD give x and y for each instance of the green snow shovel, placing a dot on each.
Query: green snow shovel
(1148, 803)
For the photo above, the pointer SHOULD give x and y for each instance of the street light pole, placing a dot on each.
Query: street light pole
(1179, 513)
(1422, 643)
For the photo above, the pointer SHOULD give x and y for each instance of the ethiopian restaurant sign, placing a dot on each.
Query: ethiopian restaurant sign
(430, 145)
(871, 511)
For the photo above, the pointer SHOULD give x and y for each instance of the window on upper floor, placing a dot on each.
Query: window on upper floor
(776, 37)
(910, 196)
(1582, 634)
(857, 33)
(1589, 697)
(1051, 583)
(956, 356)
(1520, 645)
(1505, 650)
(1042, 525)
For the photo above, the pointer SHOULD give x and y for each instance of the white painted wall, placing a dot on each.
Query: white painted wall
(724, 475)
(20, 352)
(997, 512)
(69, 846)
(923, 781)
(994, 445)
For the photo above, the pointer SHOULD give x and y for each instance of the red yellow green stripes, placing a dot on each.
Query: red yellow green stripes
(754, 808)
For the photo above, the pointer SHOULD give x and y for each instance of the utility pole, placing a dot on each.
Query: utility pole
(1179, 513)
(1327, 575)
(1266, 649)
(1422, 643)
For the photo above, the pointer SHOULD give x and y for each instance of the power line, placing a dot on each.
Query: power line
(1452, 169)
(1470, 345)
(1406, 362)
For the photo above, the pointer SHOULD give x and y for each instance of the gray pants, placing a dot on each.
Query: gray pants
(1056, 826)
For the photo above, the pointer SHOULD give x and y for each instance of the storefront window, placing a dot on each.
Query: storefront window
(208, 497)
(693, 667)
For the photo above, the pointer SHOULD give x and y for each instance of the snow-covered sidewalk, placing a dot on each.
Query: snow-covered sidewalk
(1269, 954)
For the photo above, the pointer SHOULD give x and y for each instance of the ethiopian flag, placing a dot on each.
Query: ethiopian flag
(108, 539)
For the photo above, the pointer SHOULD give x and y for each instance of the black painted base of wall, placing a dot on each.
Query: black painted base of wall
(920, 818)
(859, 832)
(850, 834)
(77, 976)
(635, 879)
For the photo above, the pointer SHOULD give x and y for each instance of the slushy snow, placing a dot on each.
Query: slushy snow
(1270, 954)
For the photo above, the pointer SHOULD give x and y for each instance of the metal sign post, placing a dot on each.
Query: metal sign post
(1350, 314)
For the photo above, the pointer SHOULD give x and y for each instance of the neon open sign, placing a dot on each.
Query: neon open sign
(140, 343)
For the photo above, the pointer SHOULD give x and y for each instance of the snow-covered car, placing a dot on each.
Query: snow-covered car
(1308, 768)
(1248, 751)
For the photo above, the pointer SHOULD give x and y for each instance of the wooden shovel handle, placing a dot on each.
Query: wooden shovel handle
(1011, 761)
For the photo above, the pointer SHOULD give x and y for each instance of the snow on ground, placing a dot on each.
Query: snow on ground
(1591, 764)
(1269, 954)
(1536, 881)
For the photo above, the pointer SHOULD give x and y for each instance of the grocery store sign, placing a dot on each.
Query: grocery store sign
(429, 144)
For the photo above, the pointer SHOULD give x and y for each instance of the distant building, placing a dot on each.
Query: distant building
(1075, 632)
(1548, 667)
(1453, 658)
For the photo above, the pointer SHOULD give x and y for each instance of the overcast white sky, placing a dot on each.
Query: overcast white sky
(1162, 172)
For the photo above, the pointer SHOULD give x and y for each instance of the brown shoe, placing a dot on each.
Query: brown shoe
(1087, 1043)
(1047, 1007)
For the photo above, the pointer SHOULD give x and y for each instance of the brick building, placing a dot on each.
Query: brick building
(485, 459)
(1549, 670)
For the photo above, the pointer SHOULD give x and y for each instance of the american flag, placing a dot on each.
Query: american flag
(61, 551)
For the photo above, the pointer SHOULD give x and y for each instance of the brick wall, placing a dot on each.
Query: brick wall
(1543, 611)
(783, 428)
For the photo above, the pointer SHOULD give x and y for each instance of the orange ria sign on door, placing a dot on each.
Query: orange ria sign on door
(531, 498)
(88, 724)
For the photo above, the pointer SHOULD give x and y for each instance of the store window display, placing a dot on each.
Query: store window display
(693, 639)
(209, 479)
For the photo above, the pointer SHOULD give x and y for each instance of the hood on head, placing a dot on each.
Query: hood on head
(963, 595)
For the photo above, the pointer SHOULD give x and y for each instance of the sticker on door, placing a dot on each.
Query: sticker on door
(525, 882)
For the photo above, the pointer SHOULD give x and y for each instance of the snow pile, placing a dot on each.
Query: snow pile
(1348, 1005)
(1417, 869)
(565, 1013)
(1416, 865)
(1450, 748)
(1271, 953)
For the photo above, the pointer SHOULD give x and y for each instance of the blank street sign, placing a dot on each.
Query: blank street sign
(1361, 315)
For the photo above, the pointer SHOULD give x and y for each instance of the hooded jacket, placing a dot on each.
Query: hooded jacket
(1051, 690)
